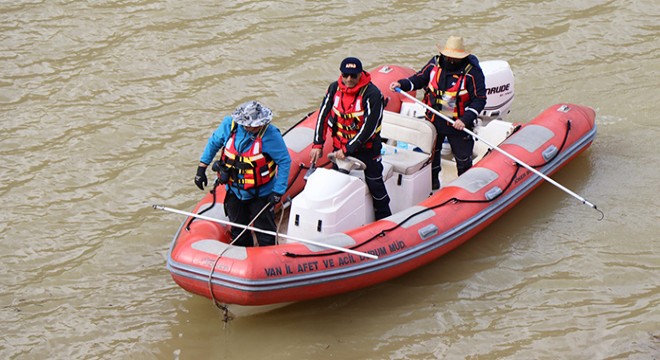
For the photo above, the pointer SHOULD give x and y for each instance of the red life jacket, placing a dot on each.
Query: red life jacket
(255, 167)
(451, 102)
(349, 116)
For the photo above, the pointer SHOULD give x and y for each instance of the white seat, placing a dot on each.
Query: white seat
(388, 170)
(418, 133)
(405, 161)
(494, 132)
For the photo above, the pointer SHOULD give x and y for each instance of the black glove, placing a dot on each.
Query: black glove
(222, 171)
(200, 178)
(217, 166)
(274, 199)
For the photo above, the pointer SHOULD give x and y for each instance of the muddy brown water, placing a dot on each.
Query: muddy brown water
(106, 106)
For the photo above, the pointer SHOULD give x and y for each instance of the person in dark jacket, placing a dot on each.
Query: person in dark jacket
(254, 167)
(352, 110)
(455, 86)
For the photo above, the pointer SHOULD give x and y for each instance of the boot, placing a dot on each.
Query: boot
(435, 182)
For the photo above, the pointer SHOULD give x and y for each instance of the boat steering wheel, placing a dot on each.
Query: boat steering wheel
(347, 165)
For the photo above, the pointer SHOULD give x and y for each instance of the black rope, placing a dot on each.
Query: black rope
(298, 123)
(215, 185)
(300, 168)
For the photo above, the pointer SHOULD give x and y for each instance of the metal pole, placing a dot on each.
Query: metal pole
(310, 242)
(250, 223)
(548, 179)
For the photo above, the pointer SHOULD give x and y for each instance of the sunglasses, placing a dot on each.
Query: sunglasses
(354, 76)
(251, 128)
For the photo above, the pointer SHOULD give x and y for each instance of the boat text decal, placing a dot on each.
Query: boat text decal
(338, 260)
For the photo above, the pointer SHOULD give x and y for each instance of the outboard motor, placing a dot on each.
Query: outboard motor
(499, 90)
(499, 97)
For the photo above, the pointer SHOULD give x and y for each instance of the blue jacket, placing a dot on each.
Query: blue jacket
(273, 145)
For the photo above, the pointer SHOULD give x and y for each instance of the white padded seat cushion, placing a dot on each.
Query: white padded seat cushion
(406, 161)
(417, 132)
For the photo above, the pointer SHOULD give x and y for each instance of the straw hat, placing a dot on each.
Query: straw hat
(454, 48)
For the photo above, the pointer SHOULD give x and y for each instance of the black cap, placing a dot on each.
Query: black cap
(351, 65)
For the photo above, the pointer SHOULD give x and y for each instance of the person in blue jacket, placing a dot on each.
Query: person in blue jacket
(254, 166)
(454, 85)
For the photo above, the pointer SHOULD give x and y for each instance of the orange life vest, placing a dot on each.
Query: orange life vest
(255, 167)
(450, 102)
(349, 121)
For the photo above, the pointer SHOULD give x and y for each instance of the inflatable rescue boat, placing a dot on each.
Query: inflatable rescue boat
(334, 208)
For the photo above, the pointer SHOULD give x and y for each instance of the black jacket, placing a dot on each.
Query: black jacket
(475, 85)
(372, 103)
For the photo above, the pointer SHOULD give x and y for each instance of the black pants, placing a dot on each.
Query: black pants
(373, 177)
(242, 212)
(461, 145)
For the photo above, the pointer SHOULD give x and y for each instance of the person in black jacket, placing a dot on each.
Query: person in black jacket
(455, 86)
(352, 110)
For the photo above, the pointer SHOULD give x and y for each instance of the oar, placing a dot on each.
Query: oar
(547, 178)
(310, 242)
